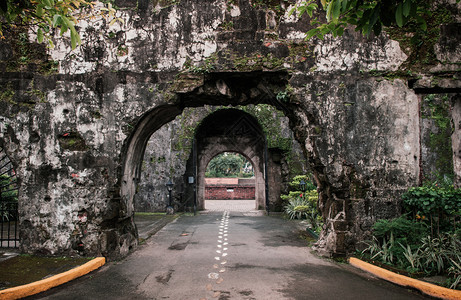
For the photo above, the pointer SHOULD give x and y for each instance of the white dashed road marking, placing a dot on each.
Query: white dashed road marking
(222, 241)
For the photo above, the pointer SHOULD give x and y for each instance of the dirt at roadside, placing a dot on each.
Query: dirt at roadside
(24, 269)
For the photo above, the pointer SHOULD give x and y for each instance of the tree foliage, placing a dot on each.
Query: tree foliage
(228, 165)
(366, 16)
(44, 17)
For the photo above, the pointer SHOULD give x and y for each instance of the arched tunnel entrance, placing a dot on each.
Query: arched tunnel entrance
(232, 130)
(228, 130)
(349, 200)
(168, 158)
(225, 130)
(240, 134)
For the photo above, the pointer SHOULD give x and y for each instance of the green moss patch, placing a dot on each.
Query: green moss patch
(24, 55)
(418, 44)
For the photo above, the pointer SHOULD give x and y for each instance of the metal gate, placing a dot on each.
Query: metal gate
(9, 236)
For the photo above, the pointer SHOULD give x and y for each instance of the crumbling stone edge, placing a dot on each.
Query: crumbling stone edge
(53, 281)
(425, 287)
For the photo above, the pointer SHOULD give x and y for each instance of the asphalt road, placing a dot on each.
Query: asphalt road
(227, 256)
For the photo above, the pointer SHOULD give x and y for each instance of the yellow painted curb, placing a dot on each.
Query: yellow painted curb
(48, 283)
(425, 287)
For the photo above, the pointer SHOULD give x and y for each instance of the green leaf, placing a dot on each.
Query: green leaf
(74, 36)
(337, 9)
(47, 3)
(11, 17)
(399, 15)
(57, 20)
(422, 23)
(73, 40)
(377, 28)
(373, 19)
(39, 35)
(330, 27)
(340, 31)
(311, 33)
(406, 8)
(68, 23)
(79, 41)
(39, 11)
(328, 10)
(311, 8)
(64, 28)
(302, 10)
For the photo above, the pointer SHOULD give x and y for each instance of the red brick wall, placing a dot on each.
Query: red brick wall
(229, 192)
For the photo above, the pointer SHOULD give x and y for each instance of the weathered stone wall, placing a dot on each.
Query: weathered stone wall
(365, 153)
(436, 142)
(76, 124)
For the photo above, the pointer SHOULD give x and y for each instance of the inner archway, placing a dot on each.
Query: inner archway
(232, 130)
(230, 183)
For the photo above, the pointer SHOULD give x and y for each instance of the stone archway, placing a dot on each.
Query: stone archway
(134, 151)
(231, 130)
(221, 146)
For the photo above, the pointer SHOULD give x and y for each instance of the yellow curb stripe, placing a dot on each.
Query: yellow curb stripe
(425, 287)
(48, 283)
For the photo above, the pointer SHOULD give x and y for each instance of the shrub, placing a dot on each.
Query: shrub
(427, 238)
(304, 208)
(404, 231)
(303, 205)
(295, 208)
(439, 205)
(409, 245)
(294, 184)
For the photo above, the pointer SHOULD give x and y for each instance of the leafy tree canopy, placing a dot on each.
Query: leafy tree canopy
(365, 15)
(45, 16)
(229, 164)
